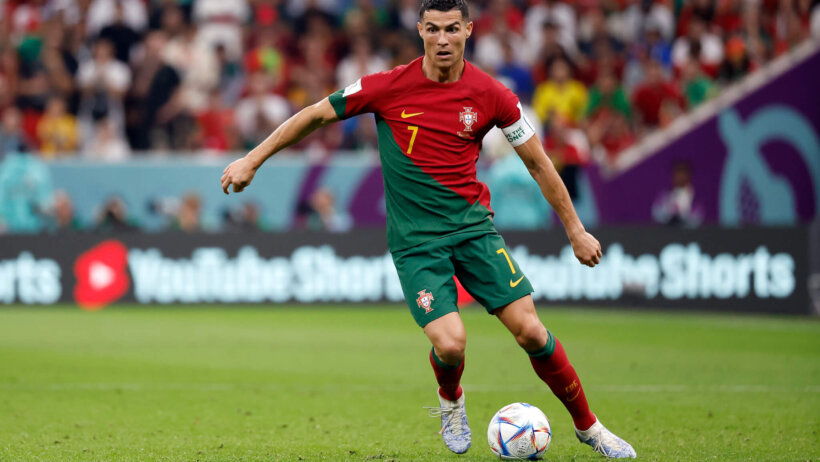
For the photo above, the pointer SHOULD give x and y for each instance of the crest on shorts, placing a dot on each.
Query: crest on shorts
(468, 118)
(425, 300)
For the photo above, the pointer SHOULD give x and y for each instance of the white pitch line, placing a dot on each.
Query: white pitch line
(336, 387)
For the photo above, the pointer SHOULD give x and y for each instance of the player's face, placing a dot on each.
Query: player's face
(444, 33)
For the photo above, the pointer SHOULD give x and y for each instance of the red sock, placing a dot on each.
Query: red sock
(448, 377)
(556, 371)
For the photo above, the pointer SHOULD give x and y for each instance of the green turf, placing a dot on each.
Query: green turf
(311, 383)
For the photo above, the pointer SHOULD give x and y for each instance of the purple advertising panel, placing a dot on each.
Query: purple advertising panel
(756, 161)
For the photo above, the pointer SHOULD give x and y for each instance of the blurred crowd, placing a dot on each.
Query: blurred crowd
(113, 78)
(109, 79)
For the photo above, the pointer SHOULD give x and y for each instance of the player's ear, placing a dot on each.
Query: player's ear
(418, 25)
(469, 29)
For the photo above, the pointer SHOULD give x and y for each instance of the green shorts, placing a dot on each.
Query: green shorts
(481, 262)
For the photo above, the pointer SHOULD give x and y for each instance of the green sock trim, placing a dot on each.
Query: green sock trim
(546, 351)
(441, 363)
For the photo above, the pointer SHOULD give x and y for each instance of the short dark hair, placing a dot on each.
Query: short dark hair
(445, 5)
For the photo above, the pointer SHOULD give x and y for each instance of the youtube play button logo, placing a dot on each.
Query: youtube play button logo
(102, 275)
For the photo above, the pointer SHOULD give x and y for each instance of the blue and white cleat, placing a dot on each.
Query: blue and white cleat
(454, 427)
(605, 442)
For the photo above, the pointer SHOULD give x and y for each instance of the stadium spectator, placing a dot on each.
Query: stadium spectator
(187, 218)
(758, 38)
(489, 47)
(231, 77)
(607, 96)
(789, 25)
(592, 28)
(679, 206)
(360, 62)
(154, 83)
(57, 130)
(697, 87)
(245, 218)
(702, 10)
(103, 81)
(220, 23)
(58, 57)
(631, 25)
(114, 218)
(569, 150)
(699, 45)
(608, 114)
(652, 93)
(107, 143)
(514, 74)
(561, 95)
(215, 126)
(197, 65)
(323, 214)
(9, 75)
(63, 217)
(260, 112)
(404, 15)
(25, 193)
(12, 138)
(659, 48)
(102, 13)
(268, 56)
(737, 63)
(120, 34)
(548, 23)
(549, 51)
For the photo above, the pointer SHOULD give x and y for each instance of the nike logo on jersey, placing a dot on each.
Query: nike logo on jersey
(515, 283)
(407, 116)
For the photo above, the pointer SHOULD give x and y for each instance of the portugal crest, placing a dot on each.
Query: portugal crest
(425, 300)
(468, 118)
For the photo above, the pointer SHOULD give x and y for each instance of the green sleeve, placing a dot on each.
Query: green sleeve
(339, 103)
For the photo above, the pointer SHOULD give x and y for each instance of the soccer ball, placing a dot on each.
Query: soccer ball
(519, 431)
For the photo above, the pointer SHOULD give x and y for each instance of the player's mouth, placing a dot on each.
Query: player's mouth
(444, 54)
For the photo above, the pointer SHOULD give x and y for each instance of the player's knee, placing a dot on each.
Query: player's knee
(532, 336)
(451, 350)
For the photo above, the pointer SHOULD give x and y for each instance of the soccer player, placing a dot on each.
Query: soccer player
(431, 116)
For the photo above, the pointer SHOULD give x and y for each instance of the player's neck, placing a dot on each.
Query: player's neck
(442, 74)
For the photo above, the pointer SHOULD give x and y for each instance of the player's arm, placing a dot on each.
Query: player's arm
(587, 249)
(240, 172)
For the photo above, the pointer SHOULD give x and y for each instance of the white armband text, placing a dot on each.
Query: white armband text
(519, 132)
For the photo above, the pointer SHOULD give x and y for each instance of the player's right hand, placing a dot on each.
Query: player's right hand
(238, 173)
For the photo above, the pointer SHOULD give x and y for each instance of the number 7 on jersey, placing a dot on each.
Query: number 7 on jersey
(415, 131)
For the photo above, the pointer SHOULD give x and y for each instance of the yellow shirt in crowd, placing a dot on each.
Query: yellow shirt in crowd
(568, 100)
(57, 134)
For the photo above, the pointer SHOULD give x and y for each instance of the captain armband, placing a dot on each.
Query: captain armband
(519, 132)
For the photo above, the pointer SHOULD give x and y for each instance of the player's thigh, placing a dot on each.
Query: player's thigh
(426, 274)
(488, 271)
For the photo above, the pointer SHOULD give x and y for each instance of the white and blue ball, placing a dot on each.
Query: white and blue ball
(519, 431)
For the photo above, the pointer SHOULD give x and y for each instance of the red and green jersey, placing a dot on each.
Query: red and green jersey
(429, 140)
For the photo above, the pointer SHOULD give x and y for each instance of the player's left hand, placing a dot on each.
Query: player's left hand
(238, 173)
(587, 249)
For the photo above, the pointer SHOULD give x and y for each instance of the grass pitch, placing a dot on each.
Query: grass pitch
(314, 383)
